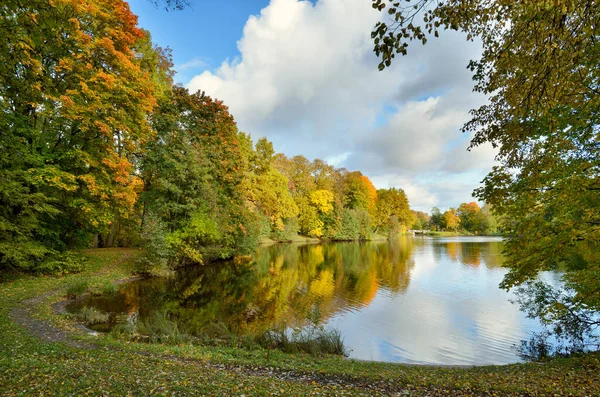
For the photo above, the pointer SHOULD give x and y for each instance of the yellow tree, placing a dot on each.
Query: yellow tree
(451, 219)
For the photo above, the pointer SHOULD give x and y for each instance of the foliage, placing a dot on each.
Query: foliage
(539, 70)
(349, 227)
(74, 101)
(421, 220)
(572, 324)
(289, 231)
(392, 202)
(154, 259)
(451, 219)
(436, 218)
(191, 241)
(360, 192)
(322, 200)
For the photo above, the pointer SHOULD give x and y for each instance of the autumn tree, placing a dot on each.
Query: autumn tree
(194, 171)
(360, 192)
(267, 189)
(539, 70)
(392, 203)
(74, 97)
(451, 219)
(471, 217)
(421, 220)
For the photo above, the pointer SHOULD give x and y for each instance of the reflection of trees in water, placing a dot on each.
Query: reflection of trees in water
(283, 285)
(471, 253)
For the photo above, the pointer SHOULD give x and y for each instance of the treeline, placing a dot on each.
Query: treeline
(100, 148)
(467, 218)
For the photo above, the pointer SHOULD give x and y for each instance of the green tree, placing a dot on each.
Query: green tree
(436, 218)
(194, 172)
(471, 217)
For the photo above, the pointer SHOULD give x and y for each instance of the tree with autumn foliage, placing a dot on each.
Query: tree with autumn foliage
(451, 219)
(194, 171)
(539, 70)
(392, 204)
(75, 95)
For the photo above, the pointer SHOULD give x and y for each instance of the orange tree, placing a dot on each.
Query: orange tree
(74, 100)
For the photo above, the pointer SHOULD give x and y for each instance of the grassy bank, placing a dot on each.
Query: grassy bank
(74, 363)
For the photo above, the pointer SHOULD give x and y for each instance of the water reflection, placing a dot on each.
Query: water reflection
(410, 300)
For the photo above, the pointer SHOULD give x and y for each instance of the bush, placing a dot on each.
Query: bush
(156, 254)
(77, 289)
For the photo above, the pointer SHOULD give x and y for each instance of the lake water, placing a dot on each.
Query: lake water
(413, 300)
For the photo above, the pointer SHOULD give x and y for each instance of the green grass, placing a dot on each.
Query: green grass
(31, 366)
(76, 289)
(316, 341)
(446, 234)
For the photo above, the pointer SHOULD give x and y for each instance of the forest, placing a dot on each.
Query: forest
(101, 149)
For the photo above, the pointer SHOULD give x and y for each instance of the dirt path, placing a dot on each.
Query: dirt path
(23, 316)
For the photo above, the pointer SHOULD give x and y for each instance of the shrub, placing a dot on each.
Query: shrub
(77, 289)
(154, 260)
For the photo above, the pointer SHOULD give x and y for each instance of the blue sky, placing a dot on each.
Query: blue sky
(303, 74)
(207, 31)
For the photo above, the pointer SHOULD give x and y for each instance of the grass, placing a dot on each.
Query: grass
(31, 366)
(445, 234)
(76, 289)
(316, 341)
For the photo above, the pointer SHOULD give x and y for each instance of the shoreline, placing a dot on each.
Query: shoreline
(226, 370)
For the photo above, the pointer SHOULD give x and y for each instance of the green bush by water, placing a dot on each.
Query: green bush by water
(77, 289)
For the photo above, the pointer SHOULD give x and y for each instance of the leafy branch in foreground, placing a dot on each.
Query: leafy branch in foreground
(539, 70)
(572, 324)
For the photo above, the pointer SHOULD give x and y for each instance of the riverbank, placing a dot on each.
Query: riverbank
(433, 233)
(299, 239)
(45, 353)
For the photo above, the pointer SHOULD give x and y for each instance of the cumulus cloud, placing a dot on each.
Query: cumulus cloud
(307, 79)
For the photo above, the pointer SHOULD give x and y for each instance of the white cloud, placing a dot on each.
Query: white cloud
(194, 63)
(307, 78)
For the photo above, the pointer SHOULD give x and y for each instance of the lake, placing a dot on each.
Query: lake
(412, 300)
